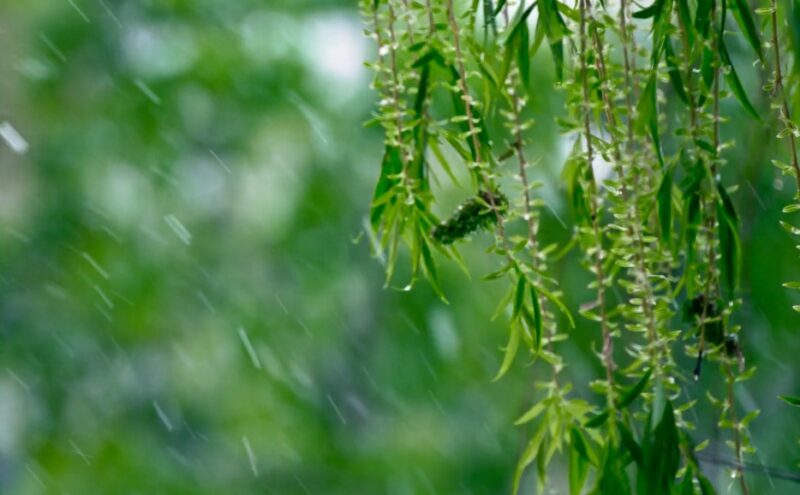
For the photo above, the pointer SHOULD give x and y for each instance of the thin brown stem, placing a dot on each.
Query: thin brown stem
(780, 90)
(607, 353)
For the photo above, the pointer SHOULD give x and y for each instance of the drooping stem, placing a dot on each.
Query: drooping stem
(780, 91)
(629, 82)
(608, 350)
(473, 130)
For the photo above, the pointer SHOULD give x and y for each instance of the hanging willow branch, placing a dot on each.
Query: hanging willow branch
(657, 233)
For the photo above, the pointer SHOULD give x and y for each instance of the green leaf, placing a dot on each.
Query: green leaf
(554, 29)
(517, 42)
(730, 252)
(631, 394)
(555, 300)
(503, 304)
(665, 206)
(687, 486)
(741, 11)
(612, 479)
(647, 110)
(529, 455)
(578, 462)
(707, 71)
(706, 488)
(390, 167)
(792, 285)
(597, 420)
(557, 50)
(728, 208)
(523, 56)
(674, 72)
(791, 208)
(664, 458)
(792, 401)
(686, 20)
(531, 414)
(430, 270)
(630, 444)
(537, 318)
(703, 17)
(519, 297)
(733, 80)
(510, 351)
(646, 12)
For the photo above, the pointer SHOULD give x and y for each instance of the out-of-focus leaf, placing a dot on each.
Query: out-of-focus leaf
(597, 420)
(612, 478)
(734, 82)
(519, 297)
(631, 394)
(430, 270)
(647, 110)
(663, 458)
(531, 414)
(702, 20)
(674, 72)
(537, 318)
(793, 401)
(646, 12)
(510, 350)
(390, 167)
(529, 455)
(743, 15)
(665, 206)
(578, 463)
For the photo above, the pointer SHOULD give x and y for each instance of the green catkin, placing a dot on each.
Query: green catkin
(473, 215)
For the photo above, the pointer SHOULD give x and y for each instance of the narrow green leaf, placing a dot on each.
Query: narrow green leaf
(646, 109)
(734, 82)
(503, 304)
(523, 56)
(555, 300)
(631, 394)
(664, 458)
(727, 203)
(531, 414)
(646, 12)
(791, 208)
(674, 72)
(792, 401)
(578, 462)
(665, 206)
(430, 270)
(631, 445)
(730, 257)
(706, 488)
(702, 20)
(537, 318)
(529, 455)
(510, 350)
(687, 486)
(612, 479)
(597, 420)
(390, 167)
(519, 297)
(741, 11)
(686, 19)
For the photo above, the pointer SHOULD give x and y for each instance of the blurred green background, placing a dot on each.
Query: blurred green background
(187, 304)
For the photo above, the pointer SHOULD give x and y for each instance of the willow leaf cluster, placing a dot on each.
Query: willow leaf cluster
(652, 217)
